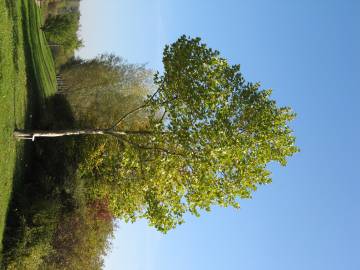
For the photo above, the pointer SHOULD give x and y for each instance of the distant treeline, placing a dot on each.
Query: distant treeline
(62, 52)
(55, 7)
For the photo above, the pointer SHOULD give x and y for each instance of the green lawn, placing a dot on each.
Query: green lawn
(27, 76)
(41, 67)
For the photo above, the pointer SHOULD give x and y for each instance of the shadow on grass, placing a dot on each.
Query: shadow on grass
(50, 224)
(39, 192)
(42, 168)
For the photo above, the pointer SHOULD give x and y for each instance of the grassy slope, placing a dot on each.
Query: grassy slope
(21, 42)
(13, 99)
(41, 67)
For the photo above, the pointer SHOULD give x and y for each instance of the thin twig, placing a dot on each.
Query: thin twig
(162, 117)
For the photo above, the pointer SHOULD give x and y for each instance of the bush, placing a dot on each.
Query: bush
(35, 233)
(82, 238)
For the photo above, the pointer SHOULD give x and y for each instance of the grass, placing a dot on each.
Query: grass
(41, 66)
(13, 97)
(49, 223)
(27, 77)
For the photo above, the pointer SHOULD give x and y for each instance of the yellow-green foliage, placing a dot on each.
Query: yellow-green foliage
(99, 91)
(212, 147)
(33, 260)
(35, 244)
(62, 30)
(108, 173)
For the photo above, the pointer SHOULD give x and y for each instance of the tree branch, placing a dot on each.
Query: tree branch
(163, 116)
(155, 148)
(133, 111)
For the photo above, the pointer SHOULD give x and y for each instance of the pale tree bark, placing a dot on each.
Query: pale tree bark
(122, 135)
(33, 134)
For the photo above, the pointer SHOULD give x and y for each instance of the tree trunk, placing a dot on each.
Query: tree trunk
(32, 134)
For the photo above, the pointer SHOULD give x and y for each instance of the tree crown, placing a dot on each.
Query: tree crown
(209, 140)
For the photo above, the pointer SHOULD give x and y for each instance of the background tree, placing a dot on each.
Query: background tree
(101, 89)
(81, 239)
(62, 30)
(209, 138)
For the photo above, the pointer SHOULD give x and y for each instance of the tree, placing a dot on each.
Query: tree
(81, 239)
(209, 138)
(62, 30)
(101, 89)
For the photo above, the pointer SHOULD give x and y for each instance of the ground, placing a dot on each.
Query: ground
(27, 76)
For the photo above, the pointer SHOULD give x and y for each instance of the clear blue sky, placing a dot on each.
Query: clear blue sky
(308, 52)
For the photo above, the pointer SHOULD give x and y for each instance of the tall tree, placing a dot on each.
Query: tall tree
(62, 30)
(209, 138)
(101, 89)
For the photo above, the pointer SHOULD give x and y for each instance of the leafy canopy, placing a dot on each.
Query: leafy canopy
(210, 137)
(101, 89)
(62, 30)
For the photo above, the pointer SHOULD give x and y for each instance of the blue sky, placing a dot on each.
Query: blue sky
(308, 53)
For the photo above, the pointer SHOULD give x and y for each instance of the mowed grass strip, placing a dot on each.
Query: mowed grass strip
(21, 43)
(42, 67)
